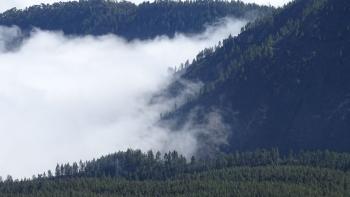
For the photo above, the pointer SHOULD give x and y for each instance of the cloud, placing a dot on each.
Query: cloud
(277, 3)
(8, 4)
(68, 98)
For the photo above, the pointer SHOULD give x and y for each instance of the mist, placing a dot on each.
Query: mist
(63, 99)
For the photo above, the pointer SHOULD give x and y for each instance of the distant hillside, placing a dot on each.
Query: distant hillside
(132, 173)
(126, 19)
(283, 82)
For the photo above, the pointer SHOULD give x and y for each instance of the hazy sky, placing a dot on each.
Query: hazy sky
(7, 4)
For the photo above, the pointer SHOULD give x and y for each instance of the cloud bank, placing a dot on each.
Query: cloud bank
(20, 4)
(68, 98)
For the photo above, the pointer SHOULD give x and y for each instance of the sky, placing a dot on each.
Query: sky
(8, 4)
(63, 99)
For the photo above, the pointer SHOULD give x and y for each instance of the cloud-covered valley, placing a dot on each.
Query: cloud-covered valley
(68, 98)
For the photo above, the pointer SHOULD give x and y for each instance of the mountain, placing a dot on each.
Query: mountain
(144, 21)
(133, 173)
(284, 82)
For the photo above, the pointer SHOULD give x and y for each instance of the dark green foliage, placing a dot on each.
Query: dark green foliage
(135, 165)
(283, 82)
(259, 173)
(126, 19)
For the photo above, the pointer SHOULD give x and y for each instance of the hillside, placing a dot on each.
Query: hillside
(283, 82)
(128, 20)
(280, 89)
(262, 173)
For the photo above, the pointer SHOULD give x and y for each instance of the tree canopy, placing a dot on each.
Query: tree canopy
(143, 21)
(283, 82)
(133, 173)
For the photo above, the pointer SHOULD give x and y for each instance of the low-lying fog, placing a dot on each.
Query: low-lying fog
(63, 99)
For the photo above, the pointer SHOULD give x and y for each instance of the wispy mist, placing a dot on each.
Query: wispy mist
(8, 37)
(68, 98)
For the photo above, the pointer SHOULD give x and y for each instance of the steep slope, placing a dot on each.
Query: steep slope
(126, 19)
(283, 82)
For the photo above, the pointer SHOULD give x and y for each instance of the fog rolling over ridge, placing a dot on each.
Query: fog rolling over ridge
(68, 98)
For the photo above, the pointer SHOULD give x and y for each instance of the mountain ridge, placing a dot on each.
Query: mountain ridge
(144, 21)
(282, 82)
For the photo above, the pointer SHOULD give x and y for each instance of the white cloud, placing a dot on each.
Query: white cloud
(8, 4)
(64, 99)
(276, 3)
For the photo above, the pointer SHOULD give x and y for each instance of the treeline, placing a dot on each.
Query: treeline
(133, 173)
(136, 165)
(147, 20)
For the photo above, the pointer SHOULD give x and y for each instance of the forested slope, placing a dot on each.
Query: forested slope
(262, 173)
(147, 20)
(283, 82)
